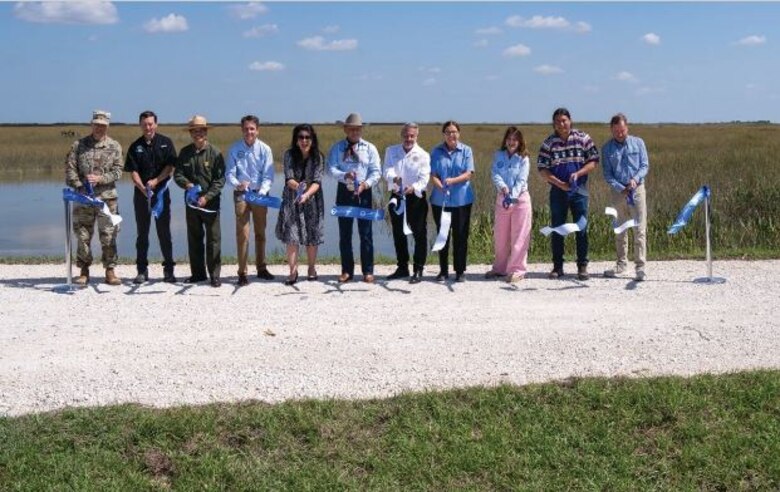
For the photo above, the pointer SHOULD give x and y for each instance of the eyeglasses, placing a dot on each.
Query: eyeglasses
(304, 137)
(451, 132)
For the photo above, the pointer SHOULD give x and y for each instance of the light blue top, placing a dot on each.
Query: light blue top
(625, 161)
(254, 164)
(510, 172)
(363, 159)
(451, 164)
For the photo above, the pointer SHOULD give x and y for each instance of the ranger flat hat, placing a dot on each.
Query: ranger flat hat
(197, 121)
(100, 117)
(353, 119)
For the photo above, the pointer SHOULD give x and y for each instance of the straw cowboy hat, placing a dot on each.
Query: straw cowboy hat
(353, 119)
(197, 121)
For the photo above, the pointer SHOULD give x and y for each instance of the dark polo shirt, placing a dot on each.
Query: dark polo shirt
(149, 159)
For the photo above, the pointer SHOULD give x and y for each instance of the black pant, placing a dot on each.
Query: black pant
(200, 224)
(417, 218)
(143, 222)
(461, 220)
(347, 198)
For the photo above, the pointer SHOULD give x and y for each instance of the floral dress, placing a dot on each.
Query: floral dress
(302, 224)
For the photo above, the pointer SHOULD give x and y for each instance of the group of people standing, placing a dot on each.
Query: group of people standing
(565, 159)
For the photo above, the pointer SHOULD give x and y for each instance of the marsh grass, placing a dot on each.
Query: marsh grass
(703, 433)
(738, 162)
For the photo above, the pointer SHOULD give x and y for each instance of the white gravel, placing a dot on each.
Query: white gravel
(163, 345)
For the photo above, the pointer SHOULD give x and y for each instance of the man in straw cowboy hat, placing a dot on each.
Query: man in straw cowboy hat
(93, 166)
(200, 164)
(354, 163)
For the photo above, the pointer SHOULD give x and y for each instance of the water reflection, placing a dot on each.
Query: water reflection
(33, 218)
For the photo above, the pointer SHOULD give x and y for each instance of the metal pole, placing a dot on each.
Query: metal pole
(707, 232)
(68, 243)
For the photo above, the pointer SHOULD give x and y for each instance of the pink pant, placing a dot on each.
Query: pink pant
(512, 236)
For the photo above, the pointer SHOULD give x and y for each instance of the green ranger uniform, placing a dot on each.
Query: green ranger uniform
(88, 156)
(206, 168)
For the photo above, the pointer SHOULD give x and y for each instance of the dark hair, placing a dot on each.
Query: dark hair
(147, 114)
(617, 119)
(450, 123)
(295, 151)
(514, 131)
(561, 112)
(250, 117)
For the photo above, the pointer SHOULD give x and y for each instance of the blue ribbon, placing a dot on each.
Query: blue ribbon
(573, 187)
(630, 198)
(72, 196)
(159, 203)
(299, 192)
(687, 211)
(358, 213)
(256, 198)
(191, 196)
(89, 188)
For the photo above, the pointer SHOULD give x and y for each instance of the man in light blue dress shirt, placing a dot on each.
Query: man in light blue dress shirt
(355, 164)
(625, 168)
(250, 166)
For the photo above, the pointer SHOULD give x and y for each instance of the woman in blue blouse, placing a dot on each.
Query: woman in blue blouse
(452, 167)
(512, 230)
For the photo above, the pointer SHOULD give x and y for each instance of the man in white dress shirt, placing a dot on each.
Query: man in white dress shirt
(407, 171)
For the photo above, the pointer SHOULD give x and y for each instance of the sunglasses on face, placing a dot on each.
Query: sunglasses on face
(304, 137)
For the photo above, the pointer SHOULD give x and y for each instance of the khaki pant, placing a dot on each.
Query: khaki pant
(639, 213)
(84, 218)
(258, 213)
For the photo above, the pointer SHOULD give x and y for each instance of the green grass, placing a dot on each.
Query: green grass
(703, 433)
(738, 161)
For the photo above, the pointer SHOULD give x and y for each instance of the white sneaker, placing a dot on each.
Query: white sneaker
(614, 272)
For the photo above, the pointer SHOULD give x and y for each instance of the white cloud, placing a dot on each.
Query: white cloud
(548, 70)
(318, 43)
(429, 81)
(488, 31)
(583, 27)
(644, 91)
(538, 22)
(517, 50)
(366, 77)
(430, 69)
(651, 38)
(331, 29)
(260, 31)
(269, 66)
(76, 12)
(248, 10)
(481, 43)
(626, 77)
(169, 23)
(753, 40)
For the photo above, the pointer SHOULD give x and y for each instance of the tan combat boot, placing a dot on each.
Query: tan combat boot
(82, 279)
(111, 278)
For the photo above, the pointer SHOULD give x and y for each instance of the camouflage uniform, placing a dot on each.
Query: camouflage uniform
(88, 156)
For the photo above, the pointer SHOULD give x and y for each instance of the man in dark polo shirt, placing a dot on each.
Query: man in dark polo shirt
(151, 160)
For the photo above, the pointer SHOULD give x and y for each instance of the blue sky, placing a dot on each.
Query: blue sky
(391, 61)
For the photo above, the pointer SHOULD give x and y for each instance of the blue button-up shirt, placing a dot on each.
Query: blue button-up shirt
(252, 163)
(362, 158)
(625, 161)
(511, 172)
(451, 164)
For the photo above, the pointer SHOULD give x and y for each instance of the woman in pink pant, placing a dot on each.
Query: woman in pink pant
(512, 231)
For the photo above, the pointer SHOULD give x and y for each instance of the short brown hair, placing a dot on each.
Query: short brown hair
(618, 119)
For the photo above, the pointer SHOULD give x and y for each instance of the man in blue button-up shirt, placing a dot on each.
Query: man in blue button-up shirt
(355, 163)
(250, 166)
(625, 165)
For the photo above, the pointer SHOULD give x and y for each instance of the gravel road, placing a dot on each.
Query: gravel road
(171, 344)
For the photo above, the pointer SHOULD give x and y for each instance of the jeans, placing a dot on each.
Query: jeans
(344, 197)
(560, 204)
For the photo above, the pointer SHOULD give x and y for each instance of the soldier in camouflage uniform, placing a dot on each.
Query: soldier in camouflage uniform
(95, 159)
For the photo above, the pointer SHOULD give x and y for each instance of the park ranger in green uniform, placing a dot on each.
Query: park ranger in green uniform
(94, 163)
(201, 164)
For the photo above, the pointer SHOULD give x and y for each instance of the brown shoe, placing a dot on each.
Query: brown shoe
(344, 278)
(369, 279)
(111, 278)
(82, 279)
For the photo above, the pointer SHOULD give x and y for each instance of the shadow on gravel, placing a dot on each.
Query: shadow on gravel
(385, 286)
(338, 288)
